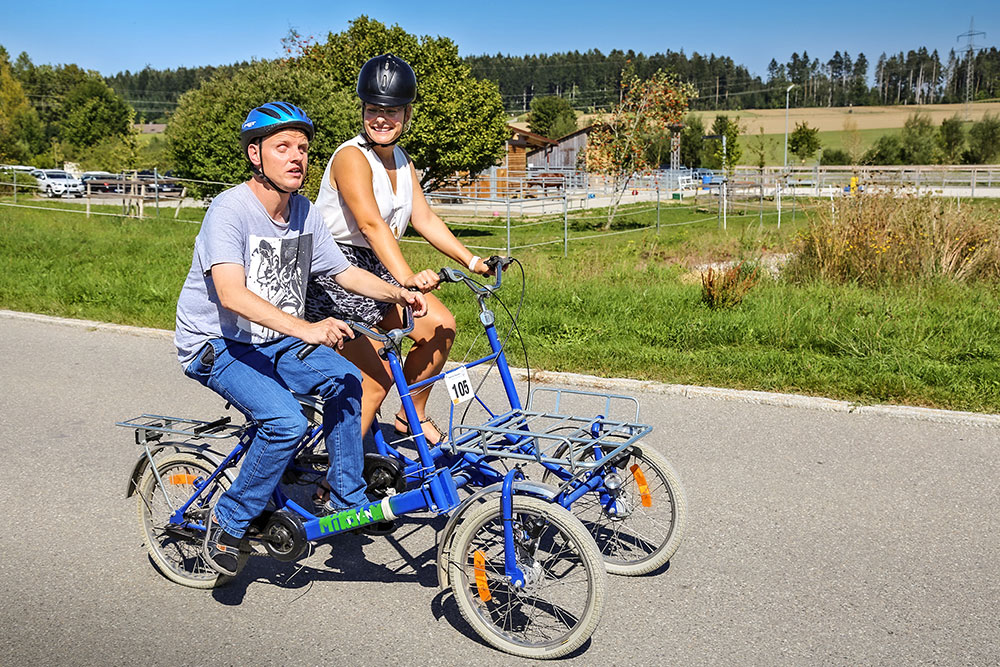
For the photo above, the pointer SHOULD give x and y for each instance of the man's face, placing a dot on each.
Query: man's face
(284, 156)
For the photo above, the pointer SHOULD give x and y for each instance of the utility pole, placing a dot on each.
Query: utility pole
(970, 54)
(787, 90)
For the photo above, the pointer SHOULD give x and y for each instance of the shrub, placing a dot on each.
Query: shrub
(888, 149)
(984, 141)
(26, 184)
(726, 288)
(887, 237)
(834, 156)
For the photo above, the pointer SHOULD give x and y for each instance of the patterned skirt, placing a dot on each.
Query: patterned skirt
(325, 298)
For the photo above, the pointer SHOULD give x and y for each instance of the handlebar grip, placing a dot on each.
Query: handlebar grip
(306, 351)
(496, 260)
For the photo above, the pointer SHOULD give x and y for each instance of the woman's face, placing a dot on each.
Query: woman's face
(383, 125)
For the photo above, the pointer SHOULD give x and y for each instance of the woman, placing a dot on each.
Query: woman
(368, 196)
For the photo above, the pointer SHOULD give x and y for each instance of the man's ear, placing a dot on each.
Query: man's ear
(253, 152)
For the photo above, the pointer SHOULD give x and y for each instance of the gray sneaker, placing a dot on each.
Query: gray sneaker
(220, 549)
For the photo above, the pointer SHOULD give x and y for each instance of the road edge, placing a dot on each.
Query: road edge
(625, 385)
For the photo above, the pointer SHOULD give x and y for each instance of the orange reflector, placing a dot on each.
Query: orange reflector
(640, 479)
(180, 480)
(479, 567)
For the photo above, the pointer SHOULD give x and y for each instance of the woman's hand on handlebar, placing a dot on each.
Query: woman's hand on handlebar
(485, 267)
(415, 300)
(330, 332)
(425, 281)
(482, 268)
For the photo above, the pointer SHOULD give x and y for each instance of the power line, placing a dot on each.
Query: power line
(970, 51)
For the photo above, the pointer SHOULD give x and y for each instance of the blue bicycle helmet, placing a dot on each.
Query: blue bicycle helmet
(267, 119)
(274, 117)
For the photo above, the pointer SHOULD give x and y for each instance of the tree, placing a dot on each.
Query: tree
(458, 121)
(853, 146)
(760, 147)
(17, 117)
(804, 141)
(835, 156)
(550, 116)
(203, 133)
(887, 150)
(563, 125)
(692, 141)
(951, 139)
(616, 146)
(93, 112)
(919, 140)
(728, 159)
(984, 141)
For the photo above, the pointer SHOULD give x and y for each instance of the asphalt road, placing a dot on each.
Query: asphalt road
(814, 538)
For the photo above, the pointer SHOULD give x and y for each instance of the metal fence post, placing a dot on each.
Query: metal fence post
(15, 186)
(793, 204)
(508, 225)
(760, 205)
(565, 224)
(725, 191)
(657, 206)
(777, 194)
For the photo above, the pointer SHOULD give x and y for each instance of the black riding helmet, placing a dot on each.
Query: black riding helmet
(386, 81)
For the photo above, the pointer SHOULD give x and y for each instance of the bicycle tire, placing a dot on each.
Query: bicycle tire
(649, 528)
(565, 604)
(179, 557)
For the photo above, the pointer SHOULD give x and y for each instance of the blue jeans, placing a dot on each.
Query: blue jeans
(258, 381)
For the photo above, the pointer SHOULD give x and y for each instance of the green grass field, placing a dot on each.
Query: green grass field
(627, 305)
(840, 140)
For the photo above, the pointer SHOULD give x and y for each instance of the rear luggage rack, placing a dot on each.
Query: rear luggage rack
(150, 428)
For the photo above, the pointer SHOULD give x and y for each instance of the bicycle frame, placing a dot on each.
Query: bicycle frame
(520, 443)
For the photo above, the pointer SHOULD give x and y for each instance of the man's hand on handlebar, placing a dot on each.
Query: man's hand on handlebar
(330, 332)
(415, 300)
(425, 281)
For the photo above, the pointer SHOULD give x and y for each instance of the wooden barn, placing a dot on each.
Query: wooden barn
(506, 179)
(563, 154)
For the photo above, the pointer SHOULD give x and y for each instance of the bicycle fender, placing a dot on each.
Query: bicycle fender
(523, 487)
(140, 466)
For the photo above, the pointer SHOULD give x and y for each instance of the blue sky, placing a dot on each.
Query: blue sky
(112, 36)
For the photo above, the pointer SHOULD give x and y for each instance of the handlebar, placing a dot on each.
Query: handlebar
(498, 264)
(393, 336)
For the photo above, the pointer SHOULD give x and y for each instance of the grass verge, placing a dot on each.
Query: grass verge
(627, 305)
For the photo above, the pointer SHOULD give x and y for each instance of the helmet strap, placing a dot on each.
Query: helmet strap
(369, 143)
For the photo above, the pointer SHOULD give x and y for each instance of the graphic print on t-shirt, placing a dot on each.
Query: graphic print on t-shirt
(279, 269)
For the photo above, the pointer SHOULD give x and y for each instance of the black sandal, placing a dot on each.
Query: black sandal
(321, 495)
(405, 431)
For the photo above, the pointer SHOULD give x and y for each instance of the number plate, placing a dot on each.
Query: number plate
(459, 385)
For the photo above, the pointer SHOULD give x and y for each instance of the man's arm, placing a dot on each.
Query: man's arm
(230, 285)
(359, 281)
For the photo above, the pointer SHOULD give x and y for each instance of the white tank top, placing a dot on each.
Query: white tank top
(395, 207)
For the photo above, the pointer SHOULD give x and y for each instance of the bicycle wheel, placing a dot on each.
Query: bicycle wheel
(638, 527)
(563, 597)
(176, 551)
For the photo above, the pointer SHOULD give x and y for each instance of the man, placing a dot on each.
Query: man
(239, 325)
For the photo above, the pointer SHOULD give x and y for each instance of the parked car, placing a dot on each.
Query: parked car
(99, 181)
(56, 183)
(18, 167)
(153, 181)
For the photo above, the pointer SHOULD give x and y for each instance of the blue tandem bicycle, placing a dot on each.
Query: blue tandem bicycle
(555, 499)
